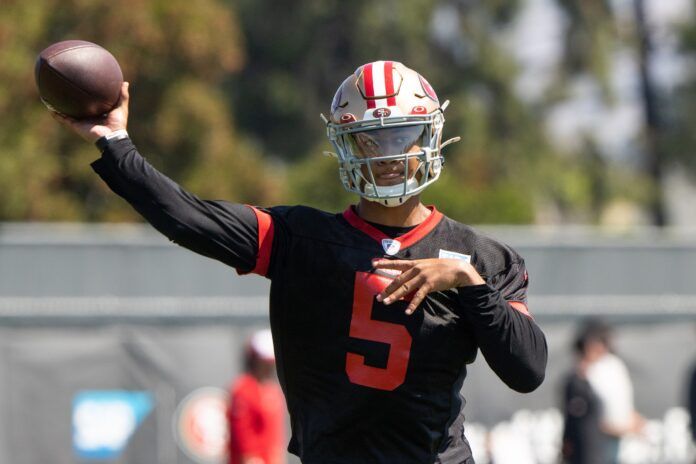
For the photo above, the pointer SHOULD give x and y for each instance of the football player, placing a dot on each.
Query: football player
(375, 311)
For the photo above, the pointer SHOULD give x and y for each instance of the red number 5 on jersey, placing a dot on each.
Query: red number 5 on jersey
(362, 326)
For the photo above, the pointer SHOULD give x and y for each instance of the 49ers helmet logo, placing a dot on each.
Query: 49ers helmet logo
(381, 113)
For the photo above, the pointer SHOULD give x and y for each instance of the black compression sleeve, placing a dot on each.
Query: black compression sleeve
(220, 230)
(512, 343)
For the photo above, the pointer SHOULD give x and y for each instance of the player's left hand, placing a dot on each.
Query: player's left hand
(422, 276)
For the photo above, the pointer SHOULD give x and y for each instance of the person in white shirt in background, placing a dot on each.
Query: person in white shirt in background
(610, 380)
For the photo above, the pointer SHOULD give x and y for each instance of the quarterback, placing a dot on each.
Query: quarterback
(375, 311)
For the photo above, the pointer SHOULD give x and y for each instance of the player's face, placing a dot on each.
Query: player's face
(594, 350)
(387, 142)
(262, 368)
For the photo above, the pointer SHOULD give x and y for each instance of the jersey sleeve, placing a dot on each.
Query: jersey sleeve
(513, 283)
(511, 342)
(237, 235)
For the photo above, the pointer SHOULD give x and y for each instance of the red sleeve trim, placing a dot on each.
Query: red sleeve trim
(521, 307)
(265, 239)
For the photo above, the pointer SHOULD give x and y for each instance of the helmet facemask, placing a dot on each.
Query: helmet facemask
(364, 148)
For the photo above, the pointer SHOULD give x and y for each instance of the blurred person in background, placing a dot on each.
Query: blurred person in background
(583, 440)
(256, 412)
(691, 398)
(598, 400)
(611, 381)
(376, 311)
(691, 405)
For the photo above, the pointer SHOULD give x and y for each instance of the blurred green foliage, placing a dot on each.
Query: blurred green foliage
(590, 39)
(226, 97)
(680, 138)
(176, 53)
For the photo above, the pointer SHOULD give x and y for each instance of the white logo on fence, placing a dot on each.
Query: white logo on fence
(201, 426)
(104, 421)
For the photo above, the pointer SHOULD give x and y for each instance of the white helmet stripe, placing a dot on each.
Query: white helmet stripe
(378, 83)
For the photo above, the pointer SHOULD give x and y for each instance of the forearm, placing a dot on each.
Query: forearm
(513, 345)
(633, 425)
(206, 228)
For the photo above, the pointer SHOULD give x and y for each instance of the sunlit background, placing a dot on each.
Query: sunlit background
(577, 122)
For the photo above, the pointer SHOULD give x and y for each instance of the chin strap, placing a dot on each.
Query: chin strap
(374, 192)
(389, 202)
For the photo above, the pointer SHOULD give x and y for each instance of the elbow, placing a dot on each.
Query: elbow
(519, 357)
(529, 381)
(529, 373)
(533, 366)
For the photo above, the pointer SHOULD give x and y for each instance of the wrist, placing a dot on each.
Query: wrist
(103, 141)
(468, 276)
(99, 131)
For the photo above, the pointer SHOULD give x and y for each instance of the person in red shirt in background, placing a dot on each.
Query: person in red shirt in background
(256, 413)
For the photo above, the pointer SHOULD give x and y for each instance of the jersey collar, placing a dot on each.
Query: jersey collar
(406, 240)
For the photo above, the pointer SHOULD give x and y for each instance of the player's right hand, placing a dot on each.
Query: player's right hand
(92, 129)
(422, 276)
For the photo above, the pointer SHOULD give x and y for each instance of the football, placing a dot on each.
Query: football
(78, 78)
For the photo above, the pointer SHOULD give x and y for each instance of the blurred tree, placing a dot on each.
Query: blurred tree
(594, 35)
(680, 140)
(590, 39)
(212, 92)
(653, 132)
(176, 54)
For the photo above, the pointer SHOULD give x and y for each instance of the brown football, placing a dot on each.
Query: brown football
(78, 78)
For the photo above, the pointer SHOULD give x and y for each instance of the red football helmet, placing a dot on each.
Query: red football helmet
(386, 112)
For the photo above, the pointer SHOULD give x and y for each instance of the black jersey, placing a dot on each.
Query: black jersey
(364, 382)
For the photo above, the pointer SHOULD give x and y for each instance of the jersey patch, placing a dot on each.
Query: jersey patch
(454, 255)
(391, 246)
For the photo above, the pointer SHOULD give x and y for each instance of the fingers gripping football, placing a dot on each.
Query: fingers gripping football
(91, 129)
(423, 276)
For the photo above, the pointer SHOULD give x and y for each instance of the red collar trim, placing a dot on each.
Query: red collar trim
(406, 240)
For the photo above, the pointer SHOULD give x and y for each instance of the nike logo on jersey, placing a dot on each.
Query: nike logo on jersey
(454, 255)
